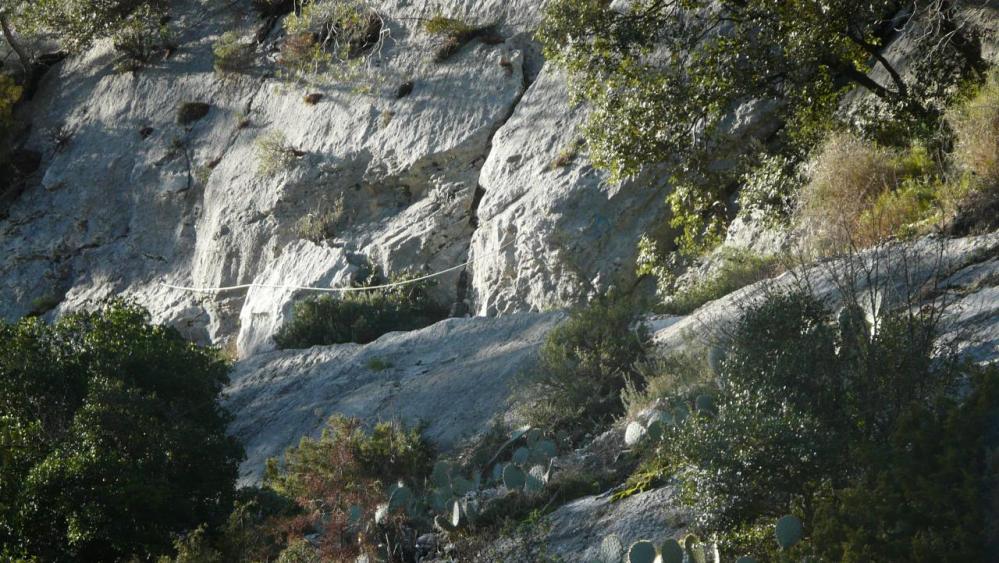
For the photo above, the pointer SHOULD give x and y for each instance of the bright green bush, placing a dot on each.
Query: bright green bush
(583, 367)
(360, 316)
(112, 439)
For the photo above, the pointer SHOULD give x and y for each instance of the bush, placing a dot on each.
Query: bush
(850, 425)
(345, 468)
(583, 367)
(455, 34)
(112, 437)
(275, 154)
(141, 39)
(737, 269)
(322, 34)
(231, 54)
(848, 175)
(359, 317)
(976, 128)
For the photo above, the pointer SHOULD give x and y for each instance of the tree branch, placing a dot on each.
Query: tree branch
(15, 44)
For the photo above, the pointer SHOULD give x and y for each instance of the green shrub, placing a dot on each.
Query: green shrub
(330, 35)
(231, 54)
(455, 34)
(322, 224)
(815, 416)
(360, 316)
(141, 39)
(275, 154)
(583, 366)
(112, 437)
(348, 467)
(737, 269)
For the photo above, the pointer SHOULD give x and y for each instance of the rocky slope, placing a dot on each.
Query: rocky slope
(472, 160)
(460, 167)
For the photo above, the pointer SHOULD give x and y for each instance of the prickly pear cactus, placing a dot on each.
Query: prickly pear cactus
(671, 552)
(694, 549)
(705, 405)
(745, 559)
(789, 531)
(521, 455)
(642, 551)
(400, 498)
(514, 477)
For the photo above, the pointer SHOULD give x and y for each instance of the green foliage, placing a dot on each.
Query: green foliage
(584, 364)
(769, 188)
(922, 494)
(274, 153)
(231, 53)
(348, 469)
(843, 424)
(140, 39)
(78, 24)
(455, 34)
(330, 35)
(737, 268)
(360, 316)
(112, 437)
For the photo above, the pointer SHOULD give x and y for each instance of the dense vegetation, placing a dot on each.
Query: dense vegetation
(359, 316)
(112, 438)
(855, 427)
(664, 77)
(583, 366)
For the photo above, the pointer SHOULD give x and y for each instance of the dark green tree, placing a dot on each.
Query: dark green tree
(663, 77)
(112, 438)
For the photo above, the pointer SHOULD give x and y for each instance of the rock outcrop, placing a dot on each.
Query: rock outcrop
(455, 377)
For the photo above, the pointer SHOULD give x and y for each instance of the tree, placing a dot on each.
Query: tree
(112, 438)
(663, 76)
(76, 23)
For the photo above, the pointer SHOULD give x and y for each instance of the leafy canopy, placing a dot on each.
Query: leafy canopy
(112, 439)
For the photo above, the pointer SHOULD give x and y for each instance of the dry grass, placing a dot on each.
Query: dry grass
(976, 128)
(847, 177)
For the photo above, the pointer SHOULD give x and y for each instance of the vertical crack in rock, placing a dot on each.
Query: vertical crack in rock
(462, 305)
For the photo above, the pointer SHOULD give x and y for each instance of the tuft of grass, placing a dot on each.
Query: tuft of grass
(567, 154)
(976, 128)
(231, 54)
(455, 34)
(738, 269)
(275, 154)
(322, 224)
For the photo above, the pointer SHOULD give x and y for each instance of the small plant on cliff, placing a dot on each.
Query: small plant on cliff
(275, 154)
(455, 34)
(231, 53)
(330, 35)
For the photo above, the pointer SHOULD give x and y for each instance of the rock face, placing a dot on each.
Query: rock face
(552, 230)
(454, 376)
(962, 274)
(153, 177)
